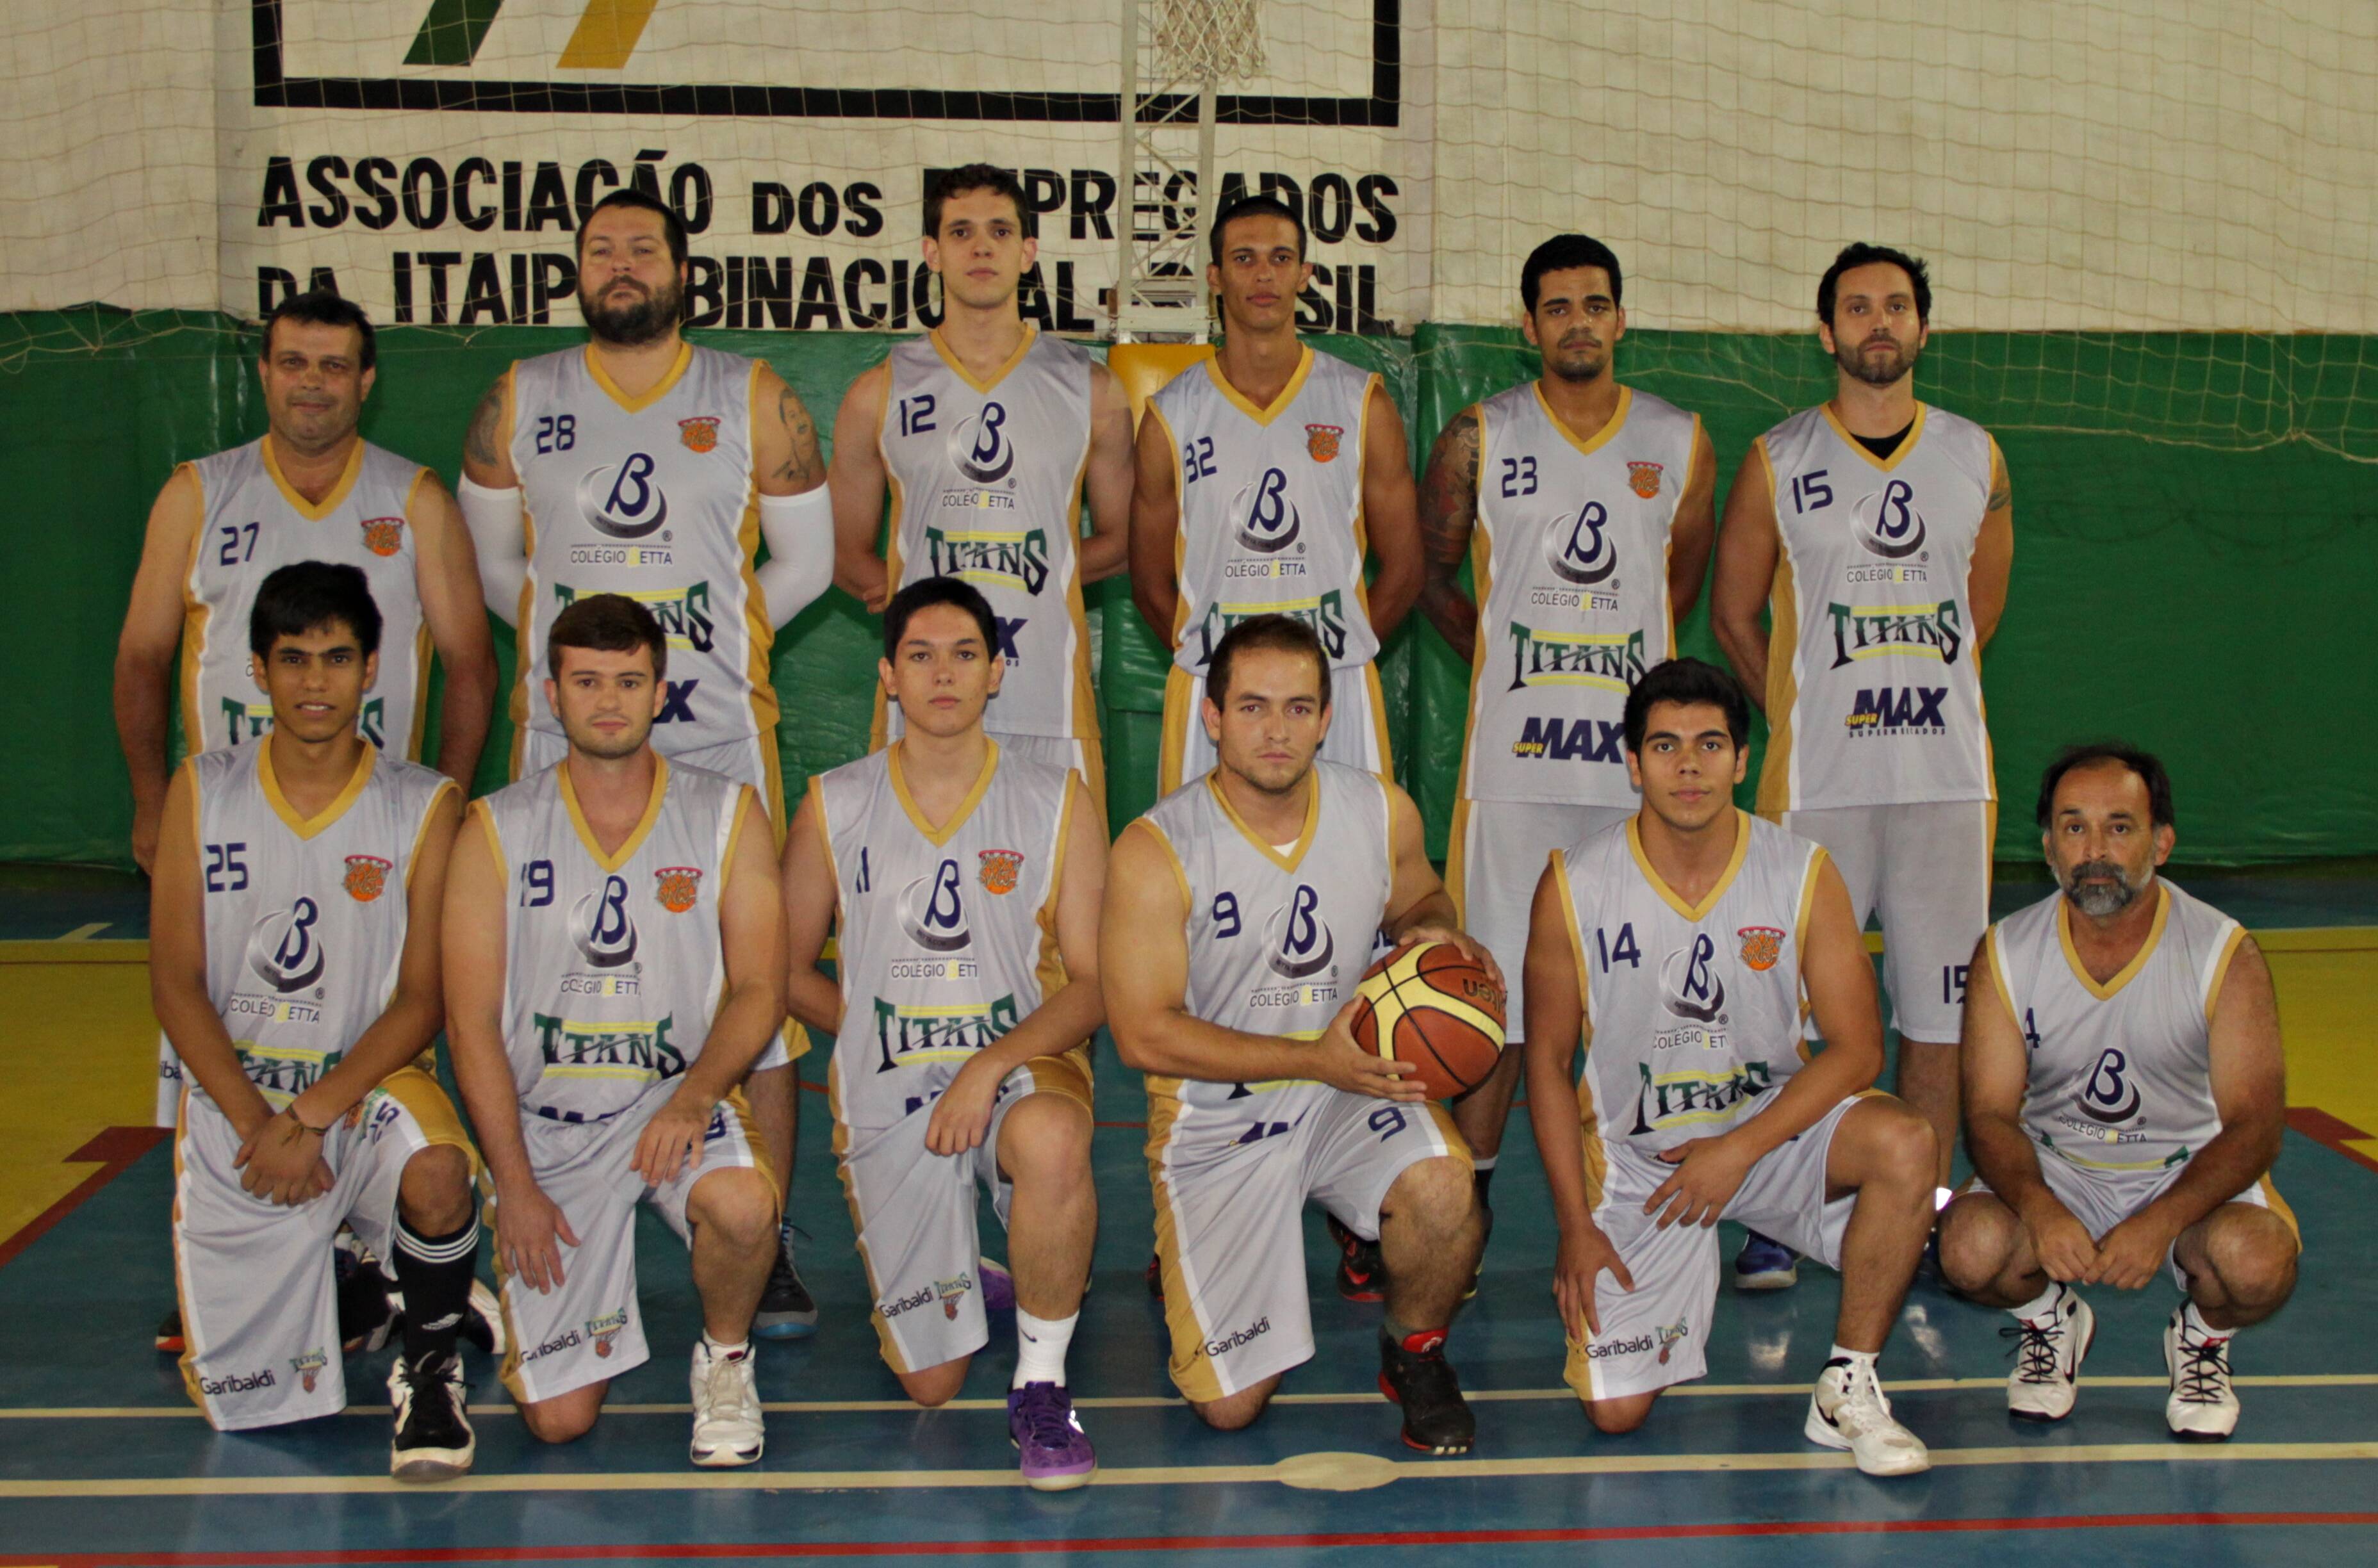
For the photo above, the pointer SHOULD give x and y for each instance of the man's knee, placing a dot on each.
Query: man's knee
(1045, 1141)
(935, 1386)
(1979, 1237)
(2252, 1253)
(1235, 1411)
(1618, 1417)
(434, 1194)
(566, 1417)
(735, 1204)
(1436, 1192)
(1891, 1144)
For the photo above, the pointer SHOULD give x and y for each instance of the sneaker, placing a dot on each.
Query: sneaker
(1848, 1410)
(483, 1325)
(368, 1302)
(1155, 1280)
(2204, 1403)
(727, 1422)
(2048, 1356)
(787, 1310)
(1764, 1264)
(1436, 1418)
(1362, 1276)
(1051, 1450)
(998, 1286)
(1480, 1271)
(169, 1334)
(433, 1441)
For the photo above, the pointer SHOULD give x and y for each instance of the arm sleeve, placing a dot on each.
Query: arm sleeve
(799, 531)
(494, 519)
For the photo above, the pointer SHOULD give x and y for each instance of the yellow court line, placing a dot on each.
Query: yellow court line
(84, 933)
(1294, 1467)
(1161, 1402)
(61, 951)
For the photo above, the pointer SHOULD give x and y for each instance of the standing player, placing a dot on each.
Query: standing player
(1584, 508)
(310, 488)
(1265, 474)
(966, 882)
(1878, 532)
(642, 465)
(294, 964)
(615, 961)
(1677, 948)
(2125, 1097)
(1239, 919)
(991, 436)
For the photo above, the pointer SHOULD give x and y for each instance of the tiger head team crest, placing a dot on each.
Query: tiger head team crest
(699, 435)
(1321, 441)
(383, 536)
(1761, 946)
(999, 869)
(366, 876)
(676, 887)
(1643, 478)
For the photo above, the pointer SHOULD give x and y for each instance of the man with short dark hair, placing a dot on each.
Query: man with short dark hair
(1876, 531)
(655, 469)
(991, 436)
(2125, 1096)
(1266, 471)
(1679, 946)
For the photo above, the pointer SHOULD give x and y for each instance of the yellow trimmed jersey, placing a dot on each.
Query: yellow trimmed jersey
(1874, 675)
(1691, 1010)
(2121, 1072)
(1271, 505)
(987, 487)
(252, 523)
(613, 964)
(655, 497)
(947, 937)
(1569, 561)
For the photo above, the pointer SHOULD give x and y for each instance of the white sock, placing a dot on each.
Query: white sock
(2042, 1306)
(723, 1352)
(2193, 1326)
(1041, 1347)
(1856, 1359)
(1484, 1162)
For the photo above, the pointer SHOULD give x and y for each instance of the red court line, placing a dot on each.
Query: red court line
(115, 1149)
(652, 1553)
(2330, 1132)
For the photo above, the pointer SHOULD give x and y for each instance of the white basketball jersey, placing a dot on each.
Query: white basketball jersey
(653, 498)
(305, 917)
(2121, 1076)
(946, 939)
(613, 963)
(1276, 939)
(987, 486)
(1690, 1009)
(1569, 561)
(253, 523)
(1874, 678)
(1271, 505)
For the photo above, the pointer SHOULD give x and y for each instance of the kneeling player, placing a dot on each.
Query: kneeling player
(1239, 919)
(614, 955)
(1677, 946)
(294, 964)
(967, 881)
(2125, 1096)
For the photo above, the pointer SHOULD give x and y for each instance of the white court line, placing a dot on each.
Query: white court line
(84, 933)
(1298, 1466)
(1161, 1402)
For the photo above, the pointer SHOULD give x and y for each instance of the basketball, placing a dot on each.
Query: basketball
(1435, 1006)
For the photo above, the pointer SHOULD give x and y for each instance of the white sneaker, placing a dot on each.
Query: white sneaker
(727, 1422)
(2048, 1356)
(1850, 1411)
(2204, 1403)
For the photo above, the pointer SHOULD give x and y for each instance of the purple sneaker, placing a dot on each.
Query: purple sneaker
(1054, 1454)
(998, 1286)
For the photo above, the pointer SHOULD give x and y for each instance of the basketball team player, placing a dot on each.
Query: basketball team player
(990, 436)
(614, 964)
(1265, 472)
(2125, 1096)
(1676, 949)
(294, 964)
(965, 880)
(1239, 912)
(1878, 532)
(642, 465)
(1584, 509)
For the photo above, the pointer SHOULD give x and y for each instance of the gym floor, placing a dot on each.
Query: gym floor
(103, 1461)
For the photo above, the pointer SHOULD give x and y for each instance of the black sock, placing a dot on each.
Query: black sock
(435, 1273)
(1481, 1179)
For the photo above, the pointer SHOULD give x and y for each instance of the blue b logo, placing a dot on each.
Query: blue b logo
(1888, 523)
(1690, 984)
(932, 910)
(605, 932)
(980, 447)
(1296, 942)
(624, 502)
(283, 949)
(1269, 522)
(1584, 555)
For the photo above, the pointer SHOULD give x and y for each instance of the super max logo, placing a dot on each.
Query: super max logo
(1571, 740)
(1888, 710)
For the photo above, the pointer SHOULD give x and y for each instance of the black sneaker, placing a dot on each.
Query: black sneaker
(169, 1334)
(1362, 1276)
(1436, 1418)
(367, 1317)
(1155, 1276)
(434, 1440)
(786, 1309)
(1487, 1217)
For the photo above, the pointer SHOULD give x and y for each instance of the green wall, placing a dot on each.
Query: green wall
(2212, 602)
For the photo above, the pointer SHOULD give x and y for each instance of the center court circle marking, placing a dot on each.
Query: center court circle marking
(1334, 1472)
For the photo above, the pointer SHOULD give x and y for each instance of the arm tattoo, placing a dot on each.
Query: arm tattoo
(801, 462)
(479, 442)
(2001, 496)
(1448, 505)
